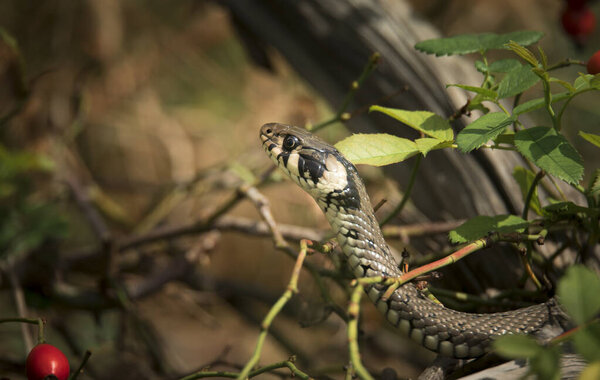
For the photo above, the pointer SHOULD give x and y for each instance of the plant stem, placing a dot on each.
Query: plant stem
(288, 363)
(406, 196)
(530, 192)
(34, 321)
(341, 114)
(292, 288)
(353, 313)
(84, 361)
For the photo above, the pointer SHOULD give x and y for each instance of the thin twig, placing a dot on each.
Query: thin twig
(20, 303)
(353, 350)
(292, 289)
(531, 191)
(341, 114)
(84, 202)
(420, 229)
(287, 363)
(407, 192)
(84, 361)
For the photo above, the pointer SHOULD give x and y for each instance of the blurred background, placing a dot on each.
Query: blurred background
(128, 128)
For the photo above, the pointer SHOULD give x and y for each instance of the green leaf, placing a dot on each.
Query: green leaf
(423, 121)
(523, 52)
(569, 208)
(516, 346)
(594, 187)
(587, 342)
(578, 292)
(427, 144)
(551, 152)
(590, 137)
(482, 130)
(546, 364)
(516, 81)
(587, 81)
(504, 65)
(480, 226)
(472, 43)
(534, 104)
(487, 93)
(376, 149)
(481, 67)
(507, 137)
(525, 178)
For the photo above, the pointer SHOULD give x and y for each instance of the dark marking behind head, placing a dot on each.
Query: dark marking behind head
(307, 163)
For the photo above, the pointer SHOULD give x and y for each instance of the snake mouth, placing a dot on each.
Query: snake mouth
(267, 136)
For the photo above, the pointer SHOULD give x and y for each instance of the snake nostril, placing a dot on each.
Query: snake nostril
(268, 131)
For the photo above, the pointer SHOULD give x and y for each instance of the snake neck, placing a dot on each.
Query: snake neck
(352, 219)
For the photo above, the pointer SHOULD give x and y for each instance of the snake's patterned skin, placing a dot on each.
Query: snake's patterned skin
(334, 183)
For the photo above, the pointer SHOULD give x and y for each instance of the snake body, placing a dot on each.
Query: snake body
(334, 183)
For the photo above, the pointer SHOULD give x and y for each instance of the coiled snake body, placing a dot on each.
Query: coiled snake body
(334, 183)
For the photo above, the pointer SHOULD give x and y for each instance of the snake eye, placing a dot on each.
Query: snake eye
(290, 142)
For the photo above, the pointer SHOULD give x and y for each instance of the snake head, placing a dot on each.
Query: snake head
(309, 161)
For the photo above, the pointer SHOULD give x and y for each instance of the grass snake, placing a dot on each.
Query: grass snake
(323, 172)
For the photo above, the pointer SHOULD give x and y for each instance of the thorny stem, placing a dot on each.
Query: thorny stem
(292, 289)
(474, 246)
(406, 196)
(341, 114)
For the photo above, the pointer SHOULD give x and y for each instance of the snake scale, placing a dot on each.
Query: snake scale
(322, 171)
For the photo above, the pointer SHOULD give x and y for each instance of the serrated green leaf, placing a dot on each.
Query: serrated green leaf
(504, 65)
(569, 208)
(590, 137)
(482, 130)
(578, 292)
(516, 346)
(595, 82)
(481, 225)
(551, 152)
(525, 178)
(594, 187)
(487, 93)
(376, 149)
(587, 81)
(427, 144)
(534, 104)
(507, 137)
(523, 52)
(423, 121)
(587, 342)
(472, 43)
(516, 81)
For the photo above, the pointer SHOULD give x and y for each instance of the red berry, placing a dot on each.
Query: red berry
(593, 65)
(578, 22)
(45, 360)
